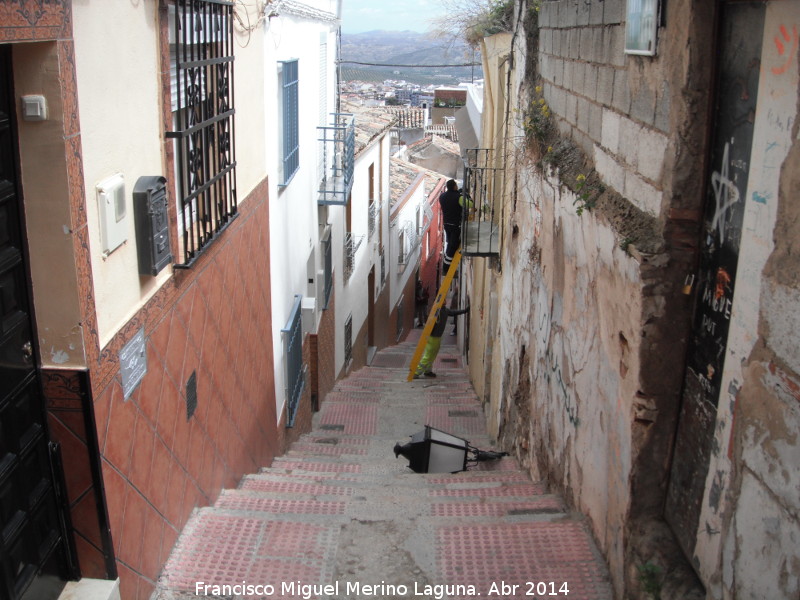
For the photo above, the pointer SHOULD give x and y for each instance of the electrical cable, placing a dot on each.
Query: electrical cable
(355, 62)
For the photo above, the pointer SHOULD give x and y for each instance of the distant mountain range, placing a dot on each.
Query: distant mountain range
(406, 48)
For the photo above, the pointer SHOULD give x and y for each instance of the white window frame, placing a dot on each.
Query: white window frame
(641, 27)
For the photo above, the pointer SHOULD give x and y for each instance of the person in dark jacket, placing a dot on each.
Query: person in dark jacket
(452, 211)
(435, 341)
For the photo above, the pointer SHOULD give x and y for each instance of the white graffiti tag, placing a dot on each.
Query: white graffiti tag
(725, 193)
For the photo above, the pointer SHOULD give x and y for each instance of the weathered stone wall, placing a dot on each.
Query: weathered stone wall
(600, 226)
(759, 512)
(569, 354)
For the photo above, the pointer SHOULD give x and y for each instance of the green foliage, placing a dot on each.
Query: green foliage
(650, 578)
(497, 17)
(473, 20)
(537, 122)
(587, 194)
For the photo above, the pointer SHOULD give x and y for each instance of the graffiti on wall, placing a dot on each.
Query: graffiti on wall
(731, 151)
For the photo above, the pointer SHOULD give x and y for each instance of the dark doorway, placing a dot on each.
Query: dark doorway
(34, 555)
(738, 68)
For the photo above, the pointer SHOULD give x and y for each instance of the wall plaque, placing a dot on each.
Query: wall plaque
(132, 363)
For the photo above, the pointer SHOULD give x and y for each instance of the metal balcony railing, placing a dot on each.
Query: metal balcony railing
(337, 159)
(480, 228)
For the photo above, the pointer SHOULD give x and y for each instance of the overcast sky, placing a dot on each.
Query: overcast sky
(391, 15)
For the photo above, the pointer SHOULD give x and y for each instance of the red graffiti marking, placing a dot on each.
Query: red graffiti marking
(780, 43)
(787, 382)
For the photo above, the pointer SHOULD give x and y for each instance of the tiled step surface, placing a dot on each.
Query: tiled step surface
(340, 513)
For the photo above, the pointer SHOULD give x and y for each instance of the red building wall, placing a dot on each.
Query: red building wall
(430, 267)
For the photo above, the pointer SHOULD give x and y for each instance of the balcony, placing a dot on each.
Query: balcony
(480, 229)
(337, 158)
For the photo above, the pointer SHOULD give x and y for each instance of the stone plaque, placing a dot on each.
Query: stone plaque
(132, 363)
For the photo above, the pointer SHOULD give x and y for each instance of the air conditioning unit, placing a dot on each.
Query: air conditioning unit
(308, 309)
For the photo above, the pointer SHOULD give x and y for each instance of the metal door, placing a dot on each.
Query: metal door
(740, 38)
(33, 559)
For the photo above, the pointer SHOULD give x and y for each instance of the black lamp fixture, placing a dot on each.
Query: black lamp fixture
(434, 451)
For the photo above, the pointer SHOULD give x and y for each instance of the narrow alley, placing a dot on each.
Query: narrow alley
(339, 516)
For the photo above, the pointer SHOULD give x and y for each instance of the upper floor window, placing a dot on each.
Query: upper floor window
(641, 26)
(202, 100)
(290, 147)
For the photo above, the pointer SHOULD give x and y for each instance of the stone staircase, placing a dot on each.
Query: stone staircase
(340, 517)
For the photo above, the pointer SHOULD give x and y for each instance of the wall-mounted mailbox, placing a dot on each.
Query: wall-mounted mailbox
(152, 225)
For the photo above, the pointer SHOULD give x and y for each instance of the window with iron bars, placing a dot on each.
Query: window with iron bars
(291, 124)
(348, 340)
(327, 262)
(383, 264)
(204, 124)
(351, 245)
(408, 242)
(372, 219)
(400, 317)
(293, 358)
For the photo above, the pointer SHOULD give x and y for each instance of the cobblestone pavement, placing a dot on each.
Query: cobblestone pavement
(340, 517)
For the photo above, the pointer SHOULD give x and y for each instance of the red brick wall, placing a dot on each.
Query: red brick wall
(326, 350)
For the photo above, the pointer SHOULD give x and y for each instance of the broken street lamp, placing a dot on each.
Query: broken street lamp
(434, 451)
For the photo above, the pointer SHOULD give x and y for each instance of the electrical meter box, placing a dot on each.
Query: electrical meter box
(112, 210)
(152, 224)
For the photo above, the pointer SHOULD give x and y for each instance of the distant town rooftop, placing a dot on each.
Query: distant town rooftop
(370, 122)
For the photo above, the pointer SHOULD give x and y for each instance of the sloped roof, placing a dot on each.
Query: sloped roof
(403, 174)
(423, 147)
(370, 123)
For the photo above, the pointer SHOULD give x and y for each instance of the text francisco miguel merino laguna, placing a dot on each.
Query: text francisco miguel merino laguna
(307, 591)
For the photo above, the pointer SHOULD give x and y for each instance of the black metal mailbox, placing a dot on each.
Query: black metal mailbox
(152, 224)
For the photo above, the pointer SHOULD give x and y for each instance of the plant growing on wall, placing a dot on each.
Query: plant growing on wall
(473, 20)
(650, 579)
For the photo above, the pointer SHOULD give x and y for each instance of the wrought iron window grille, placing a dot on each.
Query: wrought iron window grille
(295, 368)
(204, 125)
(372, 219)
(409, 242)
(327, 261)
(352, 243)
(338, 142)
(348, 340)
(291, 120)
(400, 317)
(480, 226)
(382, 254)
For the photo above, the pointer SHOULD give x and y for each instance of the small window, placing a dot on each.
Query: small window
(641, 25)
(290, 120)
